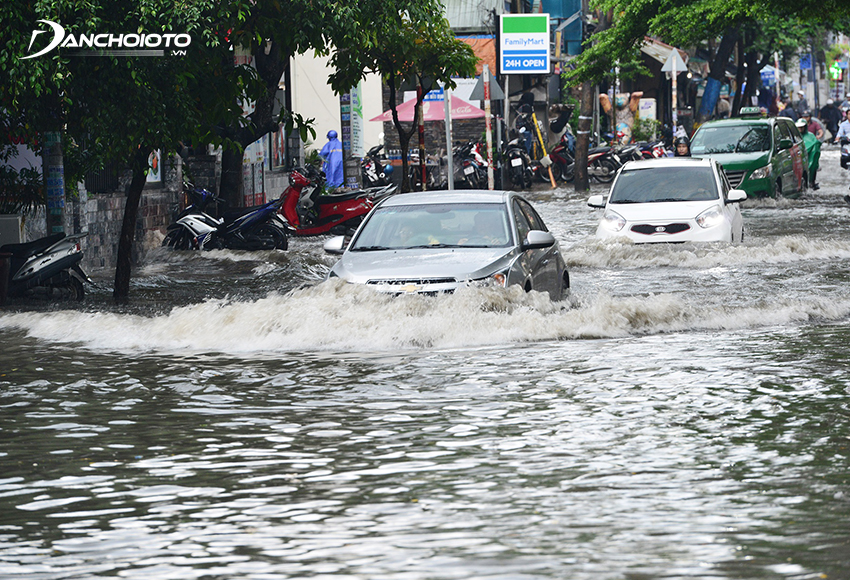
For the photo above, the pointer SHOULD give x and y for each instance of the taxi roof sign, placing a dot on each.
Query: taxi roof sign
(750, 112)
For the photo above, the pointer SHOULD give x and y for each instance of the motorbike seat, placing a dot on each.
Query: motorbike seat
(602, 149)
(28, 249)
(338, 197)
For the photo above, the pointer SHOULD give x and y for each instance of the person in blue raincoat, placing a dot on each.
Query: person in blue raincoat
(331, 153)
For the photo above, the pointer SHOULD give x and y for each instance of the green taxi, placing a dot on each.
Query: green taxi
(763, 156)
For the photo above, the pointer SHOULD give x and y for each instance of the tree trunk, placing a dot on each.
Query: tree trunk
(717, 74)
(585, 122)
(270, 65)
(123, 267)
(231, 176)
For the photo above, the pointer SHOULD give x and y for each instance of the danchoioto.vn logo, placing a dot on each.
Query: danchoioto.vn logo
(145, 44)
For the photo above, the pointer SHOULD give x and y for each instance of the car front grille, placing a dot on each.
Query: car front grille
(413, 281)
(735, 177)
(660, 229)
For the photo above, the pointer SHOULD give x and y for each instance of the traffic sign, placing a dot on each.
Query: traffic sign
(524, 45)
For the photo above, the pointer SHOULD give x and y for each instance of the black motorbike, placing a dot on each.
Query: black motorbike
(519, 166)
(250, 228)
(47, 268)
(845, 152)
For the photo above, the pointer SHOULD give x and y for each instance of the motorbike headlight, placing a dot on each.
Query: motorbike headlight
(761, 173)
(613, 221)
(710, 218)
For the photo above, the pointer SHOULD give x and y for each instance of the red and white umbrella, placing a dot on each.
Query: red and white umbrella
(433, 111)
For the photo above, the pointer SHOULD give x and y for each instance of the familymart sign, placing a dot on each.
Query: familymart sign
(524, 44)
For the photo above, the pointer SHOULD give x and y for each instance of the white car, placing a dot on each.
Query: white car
(678, 199)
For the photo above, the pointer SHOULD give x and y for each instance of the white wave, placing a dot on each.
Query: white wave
(337, 316)
(621, 252)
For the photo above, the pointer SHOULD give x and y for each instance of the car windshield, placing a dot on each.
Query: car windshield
(468, 225)
(659, 184)
(731, 139)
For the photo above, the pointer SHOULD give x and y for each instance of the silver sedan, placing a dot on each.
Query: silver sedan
(435, 242)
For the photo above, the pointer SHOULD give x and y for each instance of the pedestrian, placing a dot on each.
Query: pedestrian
(814, 126)
(844, 128)
(812, 150)
(331, 153)
(802, 104)
(831, 117)
(683, 147)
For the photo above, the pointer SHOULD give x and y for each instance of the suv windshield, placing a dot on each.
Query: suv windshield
(745, 138)
(479, 225)
(659, 184)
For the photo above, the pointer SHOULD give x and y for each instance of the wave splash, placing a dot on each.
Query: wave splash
(337, 316)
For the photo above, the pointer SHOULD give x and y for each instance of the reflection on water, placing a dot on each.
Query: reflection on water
(683, 415)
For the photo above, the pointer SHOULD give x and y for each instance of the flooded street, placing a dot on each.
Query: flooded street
(686, 414)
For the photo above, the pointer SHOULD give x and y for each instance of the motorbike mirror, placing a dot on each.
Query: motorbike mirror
(335, 245)
(596, 201)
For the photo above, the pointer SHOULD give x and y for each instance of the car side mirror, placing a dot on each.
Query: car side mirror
(785, 144)
(538, 239)
(597, 201)
(736, 195)
(335, 245)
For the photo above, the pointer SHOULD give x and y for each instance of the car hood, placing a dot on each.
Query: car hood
(739, 161)
(662, 211)
(459, 263)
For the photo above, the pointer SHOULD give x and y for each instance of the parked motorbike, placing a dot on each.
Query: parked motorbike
(375, 170)
(470, 167)
(561, 159)
(519, 165)
(652, 149)
(251, 228)
(308, 212)
(48, 267)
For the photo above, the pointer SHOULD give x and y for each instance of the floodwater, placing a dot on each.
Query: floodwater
(684, 415)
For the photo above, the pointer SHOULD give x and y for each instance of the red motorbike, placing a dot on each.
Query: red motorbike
(309, 211)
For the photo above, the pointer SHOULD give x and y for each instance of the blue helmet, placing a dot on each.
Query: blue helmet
(332, 134)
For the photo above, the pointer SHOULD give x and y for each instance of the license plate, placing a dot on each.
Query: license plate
(516, 161)
(468, 170)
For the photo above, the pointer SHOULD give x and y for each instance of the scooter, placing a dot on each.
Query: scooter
(375, 172)
(314, 214)
(519, 165)
(845, 152)
(252, 228)
(561, 158)
(48, 267)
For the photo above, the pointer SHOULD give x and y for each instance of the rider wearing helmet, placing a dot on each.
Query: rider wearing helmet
(682, 147)
(332, 155)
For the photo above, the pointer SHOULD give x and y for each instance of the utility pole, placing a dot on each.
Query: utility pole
(585, 119)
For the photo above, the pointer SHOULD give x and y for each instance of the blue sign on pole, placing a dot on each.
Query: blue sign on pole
(805, 62)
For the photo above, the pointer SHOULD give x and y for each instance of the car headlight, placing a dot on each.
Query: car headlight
(710, 218)
(613, 221)
(761, 173)
(498, 279)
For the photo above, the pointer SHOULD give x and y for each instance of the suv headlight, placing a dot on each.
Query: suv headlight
(613, 221)
(710, 218)
(761, 172)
